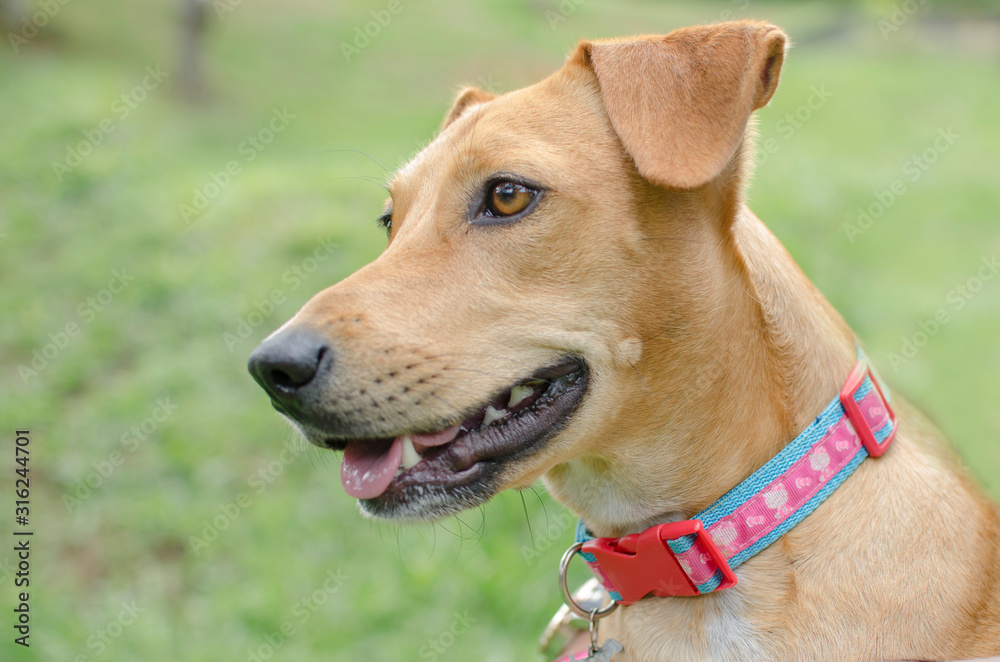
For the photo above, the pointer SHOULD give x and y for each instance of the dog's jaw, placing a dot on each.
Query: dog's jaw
(470, 470)
(418, 470)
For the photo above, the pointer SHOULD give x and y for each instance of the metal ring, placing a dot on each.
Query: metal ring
(568, 597)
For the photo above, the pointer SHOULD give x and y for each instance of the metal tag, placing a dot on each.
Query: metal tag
(605, 651)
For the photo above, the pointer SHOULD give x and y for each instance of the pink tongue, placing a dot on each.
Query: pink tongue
(366, 472)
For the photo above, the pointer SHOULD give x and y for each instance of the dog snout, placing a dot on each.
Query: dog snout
(286, 364)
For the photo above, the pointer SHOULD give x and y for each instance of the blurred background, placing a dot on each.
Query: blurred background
(177, 177)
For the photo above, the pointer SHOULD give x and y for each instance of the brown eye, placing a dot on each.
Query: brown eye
(385, 221)
(508, 198)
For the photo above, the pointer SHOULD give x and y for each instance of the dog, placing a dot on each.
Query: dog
(574, 290)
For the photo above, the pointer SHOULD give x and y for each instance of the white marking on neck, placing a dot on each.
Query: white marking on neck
(729, 636)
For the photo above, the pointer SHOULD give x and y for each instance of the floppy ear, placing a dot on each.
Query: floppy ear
(466, 99)
(680, 102)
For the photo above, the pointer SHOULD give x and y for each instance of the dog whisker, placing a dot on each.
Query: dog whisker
(371, 180)
(649, 395)
(374, 159)
(527, 519)
(679, 240)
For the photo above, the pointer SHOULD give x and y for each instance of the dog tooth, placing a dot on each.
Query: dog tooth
(493, 415)
(518, 394)
(410, 455)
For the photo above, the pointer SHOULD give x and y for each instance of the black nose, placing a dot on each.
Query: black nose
(287, 362)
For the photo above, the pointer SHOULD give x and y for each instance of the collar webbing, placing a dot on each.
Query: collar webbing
(680, 559)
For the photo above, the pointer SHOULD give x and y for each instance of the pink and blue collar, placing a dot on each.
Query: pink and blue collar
(698, 555)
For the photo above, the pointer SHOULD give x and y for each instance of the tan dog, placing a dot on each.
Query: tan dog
(574, 290)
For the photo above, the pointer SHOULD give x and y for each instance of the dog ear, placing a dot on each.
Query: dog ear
(680, 102)
(467, 98)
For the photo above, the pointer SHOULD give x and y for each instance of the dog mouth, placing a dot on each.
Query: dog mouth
(383, 472)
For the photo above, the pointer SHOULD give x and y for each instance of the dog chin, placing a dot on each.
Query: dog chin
(421, 503)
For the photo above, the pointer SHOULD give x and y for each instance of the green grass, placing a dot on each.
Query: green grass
(163, 336)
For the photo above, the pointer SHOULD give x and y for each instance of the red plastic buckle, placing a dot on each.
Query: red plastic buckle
(853, 409)
(643, 563)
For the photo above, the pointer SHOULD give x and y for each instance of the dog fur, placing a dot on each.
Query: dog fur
(708, 350)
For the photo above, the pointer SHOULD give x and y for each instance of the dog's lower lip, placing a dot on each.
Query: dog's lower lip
(482, 441)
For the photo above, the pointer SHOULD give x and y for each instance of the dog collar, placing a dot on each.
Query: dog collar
(698, 555)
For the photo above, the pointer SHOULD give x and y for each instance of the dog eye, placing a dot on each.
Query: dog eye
(385, 221)
(507, 198)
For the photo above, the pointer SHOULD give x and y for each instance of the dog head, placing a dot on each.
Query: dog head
(550, 267)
